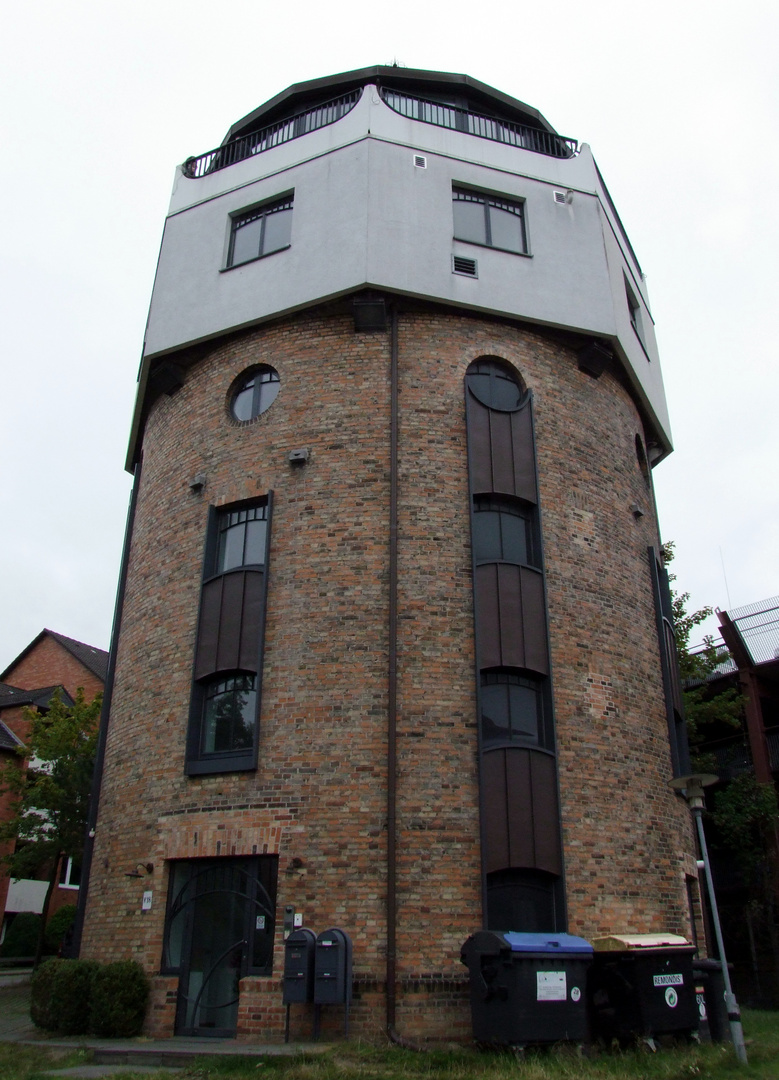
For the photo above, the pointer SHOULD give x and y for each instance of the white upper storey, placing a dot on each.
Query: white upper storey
(367, 213)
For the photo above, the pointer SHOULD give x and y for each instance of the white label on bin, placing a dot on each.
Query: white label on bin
(551, 986)
(575, 993)
(668, 980)
(671, 997)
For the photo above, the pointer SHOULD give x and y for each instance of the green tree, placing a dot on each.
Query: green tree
(706, 710)
(49, 789)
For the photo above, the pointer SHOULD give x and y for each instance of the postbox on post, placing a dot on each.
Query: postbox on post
(333, 971)
(299, 951)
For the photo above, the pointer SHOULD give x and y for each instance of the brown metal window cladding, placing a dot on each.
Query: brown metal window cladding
(519, 802)
(229, 642)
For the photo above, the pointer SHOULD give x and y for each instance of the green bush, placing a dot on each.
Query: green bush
(21, 938)
(58, 925)
(120, 992)
(71, 995)
(41, 987)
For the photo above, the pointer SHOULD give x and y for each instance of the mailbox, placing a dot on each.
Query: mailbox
(299, 967)
(333, 968)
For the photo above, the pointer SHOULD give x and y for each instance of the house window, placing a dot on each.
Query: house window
(511, 708)
(228, 714)
(634, 308)
(254, 392)
(495, 384)
(260, 231)
(70, 873)
(502, 532)
(225, 702)
(489, 220)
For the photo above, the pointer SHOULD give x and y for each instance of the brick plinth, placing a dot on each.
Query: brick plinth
(318, 799)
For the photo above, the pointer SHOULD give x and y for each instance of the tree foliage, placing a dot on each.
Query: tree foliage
(49, 788)
(705, 709)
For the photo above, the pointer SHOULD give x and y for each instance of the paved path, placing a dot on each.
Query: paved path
(112, 1056)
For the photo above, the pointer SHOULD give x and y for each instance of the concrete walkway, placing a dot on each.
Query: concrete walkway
(112, 1056)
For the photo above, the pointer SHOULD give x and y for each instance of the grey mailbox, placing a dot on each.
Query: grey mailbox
(299, 967)
(333, 968)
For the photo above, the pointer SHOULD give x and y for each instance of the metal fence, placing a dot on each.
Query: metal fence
(484, 127)
(266, 138)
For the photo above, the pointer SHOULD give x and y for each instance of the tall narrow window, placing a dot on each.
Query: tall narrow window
(228, 655)
(503, 532)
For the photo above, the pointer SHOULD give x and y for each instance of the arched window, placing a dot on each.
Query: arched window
(495, 384)
(512, 708)
(503, 531)
(525, 900)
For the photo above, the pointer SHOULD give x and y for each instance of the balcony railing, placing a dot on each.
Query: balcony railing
(266, 138)
(484, 127)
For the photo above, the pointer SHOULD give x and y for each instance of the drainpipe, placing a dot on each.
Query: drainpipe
(392, 700)
(108, 690)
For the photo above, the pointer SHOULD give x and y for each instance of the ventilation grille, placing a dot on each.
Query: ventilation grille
(420, 161)
(461, 265)
(560, 197)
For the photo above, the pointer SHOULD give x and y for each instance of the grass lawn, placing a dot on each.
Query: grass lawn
(356, 1061)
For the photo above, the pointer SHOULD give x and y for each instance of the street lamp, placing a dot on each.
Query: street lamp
(691, 787)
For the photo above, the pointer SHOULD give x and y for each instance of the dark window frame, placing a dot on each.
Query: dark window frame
(489, 202)
(262, 212)
(527, 680)
(257, 379)
(237, 759)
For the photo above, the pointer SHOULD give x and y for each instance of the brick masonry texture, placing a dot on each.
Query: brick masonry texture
(319, 794)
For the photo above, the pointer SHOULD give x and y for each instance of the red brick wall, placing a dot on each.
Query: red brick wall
(50, 664)
(319, 794)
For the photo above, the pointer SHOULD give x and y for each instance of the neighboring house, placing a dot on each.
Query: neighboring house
(398, 337)
(751, 635)
(51, 662)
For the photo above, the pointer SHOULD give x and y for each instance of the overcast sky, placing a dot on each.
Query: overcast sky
(101, 100)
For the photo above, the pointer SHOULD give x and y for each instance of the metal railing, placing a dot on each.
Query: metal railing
(484, 127)
(292, 127)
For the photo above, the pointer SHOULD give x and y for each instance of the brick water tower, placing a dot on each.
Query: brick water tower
(393, 650)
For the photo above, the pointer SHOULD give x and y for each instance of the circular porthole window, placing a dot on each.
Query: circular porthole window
(254, 392)
(495, 384)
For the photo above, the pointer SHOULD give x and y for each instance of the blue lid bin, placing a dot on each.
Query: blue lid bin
(527, 988)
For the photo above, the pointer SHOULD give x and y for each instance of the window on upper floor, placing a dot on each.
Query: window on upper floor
(253, 392)
(634, 308)
(70, 873)
(224, 712)
(260, 231)
(512, 708)
(502, 531)
(495, 384)
(489, 220)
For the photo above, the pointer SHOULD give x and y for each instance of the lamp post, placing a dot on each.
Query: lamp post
(691, 787)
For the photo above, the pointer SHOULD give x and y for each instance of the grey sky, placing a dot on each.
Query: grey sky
(100, 101)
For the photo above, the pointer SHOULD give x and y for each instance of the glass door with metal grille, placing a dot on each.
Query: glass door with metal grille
(219, 927)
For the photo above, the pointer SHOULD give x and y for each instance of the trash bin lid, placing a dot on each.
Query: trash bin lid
(521, 941)
(632, 942)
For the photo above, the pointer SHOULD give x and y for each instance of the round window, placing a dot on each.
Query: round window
(495, 384)
(254, 392)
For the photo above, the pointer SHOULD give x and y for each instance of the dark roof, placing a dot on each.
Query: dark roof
(93, 659)
(409, 79)
(8, 741)
(12, 696)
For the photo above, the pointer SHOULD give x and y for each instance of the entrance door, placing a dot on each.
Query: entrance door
(220, 924)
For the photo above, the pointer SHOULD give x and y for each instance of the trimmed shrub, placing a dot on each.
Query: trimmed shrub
(21, 938)
(71, 995)
(120, 992)
(58, 925)
(41, 987)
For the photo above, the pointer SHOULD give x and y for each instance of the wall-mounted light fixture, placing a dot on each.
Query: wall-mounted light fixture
(147, 867)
